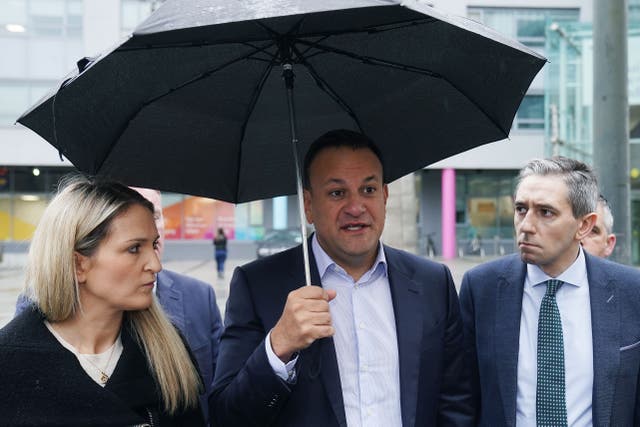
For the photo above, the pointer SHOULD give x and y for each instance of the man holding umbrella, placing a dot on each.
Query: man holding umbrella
(378, 343)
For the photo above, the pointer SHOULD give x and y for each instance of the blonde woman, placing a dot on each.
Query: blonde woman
(96, 349)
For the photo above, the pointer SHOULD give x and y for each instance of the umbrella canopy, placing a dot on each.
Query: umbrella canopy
(194, 101)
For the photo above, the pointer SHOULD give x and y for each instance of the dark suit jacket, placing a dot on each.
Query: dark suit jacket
(434, 387)
(491, 301)
(42, 383)
(191, 306)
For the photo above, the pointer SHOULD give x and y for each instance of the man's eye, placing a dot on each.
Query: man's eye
(156, 244)
(134, 249)
(520, 210)
(546, 212)
(369, 190)
(336, 193)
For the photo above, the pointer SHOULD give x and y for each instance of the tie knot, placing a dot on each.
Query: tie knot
(553, 286)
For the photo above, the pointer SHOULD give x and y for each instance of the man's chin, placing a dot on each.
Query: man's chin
(527, 258)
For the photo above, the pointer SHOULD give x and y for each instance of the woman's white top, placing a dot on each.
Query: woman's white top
(98, 366)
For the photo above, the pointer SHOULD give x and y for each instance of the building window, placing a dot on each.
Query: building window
(24, 194)
(524, 24)
(530, 115)
(528, 26)
(531, 32)
(634, 11)
(133, 12)
(43, 40)
(484, 205)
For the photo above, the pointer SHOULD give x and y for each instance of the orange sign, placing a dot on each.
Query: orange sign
(198, 218)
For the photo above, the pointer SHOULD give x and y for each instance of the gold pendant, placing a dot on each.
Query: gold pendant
(104, 378)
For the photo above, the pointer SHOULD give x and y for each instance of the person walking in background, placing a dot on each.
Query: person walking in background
(95, 348)
(554, 331)
(601, 241)
(377, 342)
(220, 247)
(189, 303)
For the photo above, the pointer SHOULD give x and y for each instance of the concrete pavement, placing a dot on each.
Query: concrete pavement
(12, 277)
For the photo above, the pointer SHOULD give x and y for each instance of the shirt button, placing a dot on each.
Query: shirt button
(361, 325)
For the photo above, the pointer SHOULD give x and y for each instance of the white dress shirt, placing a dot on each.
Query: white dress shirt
(365, 341)
(575, 312)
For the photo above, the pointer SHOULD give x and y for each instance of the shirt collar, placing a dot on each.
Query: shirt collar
(575, 275)
(324, 261)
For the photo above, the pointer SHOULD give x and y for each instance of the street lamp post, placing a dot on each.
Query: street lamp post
(611, 116)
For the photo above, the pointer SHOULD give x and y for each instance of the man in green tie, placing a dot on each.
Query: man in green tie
(553, 333)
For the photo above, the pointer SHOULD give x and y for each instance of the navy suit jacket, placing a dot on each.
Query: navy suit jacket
(434, 385)
(491, 301)
(191, 306)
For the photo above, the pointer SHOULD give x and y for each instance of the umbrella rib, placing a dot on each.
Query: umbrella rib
(326, 87)
(201, 76)
(374, 29)
(252, 104)
(369, 60)
(179, 86)
(259, 49)
(275, 34)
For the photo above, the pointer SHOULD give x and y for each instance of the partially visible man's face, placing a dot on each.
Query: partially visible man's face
(154, 197)
(547, 233)
(346, 203)
(599, 241)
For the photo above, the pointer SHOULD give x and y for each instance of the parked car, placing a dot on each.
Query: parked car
(275, 241)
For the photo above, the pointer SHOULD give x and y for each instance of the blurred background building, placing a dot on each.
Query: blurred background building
(462, 204)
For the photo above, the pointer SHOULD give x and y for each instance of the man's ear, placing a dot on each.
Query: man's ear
(307, 205)
(81, 264)
(586, 224)
(611, 243)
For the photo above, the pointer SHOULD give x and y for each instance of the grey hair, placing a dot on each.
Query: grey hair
(579, 178)
(607, 217)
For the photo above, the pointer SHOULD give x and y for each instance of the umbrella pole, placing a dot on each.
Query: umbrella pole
(287, 73)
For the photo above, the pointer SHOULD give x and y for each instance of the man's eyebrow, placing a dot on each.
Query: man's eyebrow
(333, 181)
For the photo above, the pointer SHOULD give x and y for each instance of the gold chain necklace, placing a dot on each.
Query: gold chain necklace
(103, 375)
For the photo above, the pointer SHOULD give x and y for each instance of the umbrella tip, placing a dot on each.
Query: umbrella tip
(83, 63)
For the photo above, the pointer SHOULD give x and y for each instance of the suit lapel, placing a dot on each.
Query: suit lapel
(408, 313)
(171, 301)
(605, 323)
(507, 335)
(321, 354)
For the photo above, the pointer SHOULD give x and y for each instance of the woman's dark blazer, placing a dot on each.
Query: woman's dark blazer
(42, 383)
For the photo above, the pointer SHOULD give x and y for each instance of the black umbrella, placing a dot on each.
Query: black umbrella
(194, 100)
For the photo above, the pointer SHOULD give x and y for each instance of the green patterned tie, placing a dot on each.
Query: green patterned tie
(551, 407)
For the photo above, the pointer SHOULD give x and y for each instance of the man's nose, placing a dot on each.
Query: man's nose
(355, 205)
(527, 224)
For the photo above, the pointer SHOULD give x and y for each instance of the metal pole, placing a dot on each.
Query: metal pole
(287, 73)
(611, 116)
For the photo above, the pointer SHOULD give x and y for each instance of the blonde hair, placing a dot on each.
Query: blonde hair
(77, 220)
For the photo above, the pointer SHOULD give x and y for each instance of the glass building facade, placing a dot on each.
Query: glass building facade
(569, 100)
(40, 40)
(484, 197)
